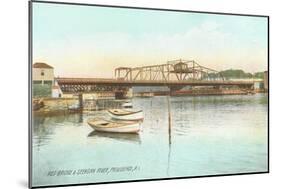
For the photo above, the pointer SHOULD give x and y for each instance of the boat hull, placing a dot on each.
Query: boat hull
(131, 117)
(130, 128)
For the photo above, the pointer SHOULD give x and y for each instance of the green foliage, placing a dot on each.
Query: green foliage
(42, 90)
(235, 74)
(259, 75)
(240, 74)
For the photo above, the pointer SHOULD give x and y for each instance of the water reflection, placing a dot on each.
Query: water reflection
(124, 137)
(41, 132)
(44, 127)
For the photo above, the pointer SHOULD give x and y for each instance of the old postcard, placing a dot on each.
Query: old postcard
(123, 94)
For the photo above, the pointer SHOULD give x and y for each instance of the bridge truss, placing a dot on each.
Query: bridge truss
(174, 74)
(176, 70)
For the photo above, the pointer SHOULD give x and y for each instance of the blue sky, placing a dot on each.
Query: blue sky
(91, 41)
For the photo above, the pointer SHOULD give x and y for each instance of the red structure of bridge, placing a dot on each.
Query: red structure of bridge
(173, 74)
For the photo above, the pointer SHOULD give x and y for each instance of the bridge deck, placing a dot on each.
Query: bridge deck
(118, 82)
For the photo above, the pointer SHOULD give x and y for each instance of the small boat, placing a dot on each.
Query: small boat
(250, 92)
(74, 107)
(123, 114)
(127, 105)
(100, 124)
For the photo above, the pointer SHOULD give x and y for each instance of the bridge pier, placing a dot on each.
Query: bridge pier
(120, 95)
(124, 93)
(80, 100)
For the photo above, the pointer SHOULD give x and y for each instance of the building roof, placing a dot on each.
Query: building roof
(41, 65)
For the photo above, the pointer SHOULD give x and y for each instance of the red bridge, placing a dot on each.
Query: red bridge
(174, 74)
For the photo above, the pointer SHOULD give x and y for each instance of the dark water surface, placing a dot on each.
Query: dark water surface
(210, 135)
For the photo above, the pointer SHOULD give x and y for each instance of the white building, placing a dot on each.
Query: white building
(42, 73)
(56, 92)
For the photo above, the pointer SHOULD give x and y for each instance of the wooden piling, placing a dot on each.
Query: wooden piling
(169, 119)
(169, 131)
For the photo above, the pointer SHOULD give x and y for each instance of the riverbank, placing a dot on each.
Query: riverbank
(53, 106)
(58, 106)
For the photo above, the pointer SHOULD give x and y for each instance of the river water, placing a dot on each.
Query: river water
(210, 135)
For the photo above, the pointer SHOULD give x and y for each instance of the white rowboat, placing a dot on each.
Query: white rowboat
(99, 124)
(123, 114)
(127, 105)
